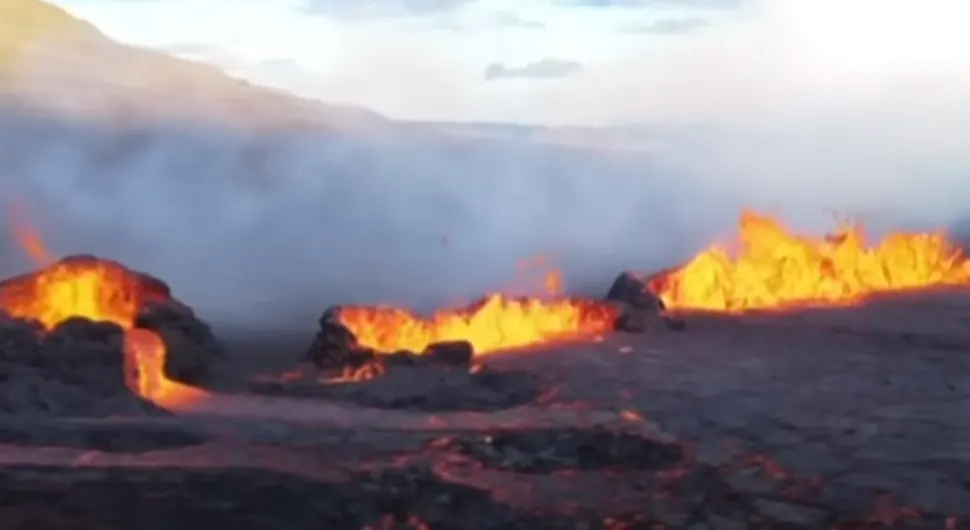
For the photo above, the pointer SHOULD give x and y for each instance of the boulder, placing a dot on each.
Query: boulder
(191, 347)
(640, 309)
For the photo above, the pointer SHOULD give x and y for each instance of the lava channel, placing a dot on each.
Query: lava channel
(495, 323)
(776, 269)
(99, 290)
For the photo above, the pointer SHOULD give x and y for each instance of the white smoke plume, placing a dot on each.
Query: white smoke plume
(267, 229)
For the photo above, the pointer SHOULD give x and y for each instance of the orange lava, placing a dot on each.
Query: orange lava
(25, 234)
(497, 323)
(776, 269)
(99, 290)
(92, 289)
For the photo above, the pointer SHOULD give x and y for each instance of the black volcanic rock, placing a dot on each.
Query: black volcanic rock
(634, 320)
(420, 386)
(548, 450)
(453, 353)
(77, 369)
(87, 353)
(335, 346)
(106, 437)
(217, 499)
(191, 347)
(641, 310)
(634, 291)
(439, 388)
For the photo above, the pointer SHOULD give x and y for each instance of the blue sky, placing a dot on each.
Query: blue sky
(570, 61)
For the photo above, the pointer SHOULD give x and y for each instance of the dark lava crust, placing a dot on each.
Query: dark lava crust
(77, 369)
(548, 450)
(421, 386)
(191, 346)
(416, 498)
(99, 437)
(48, 499)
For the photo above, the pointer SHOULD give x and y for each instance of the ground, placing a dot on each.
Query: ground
(849, 418)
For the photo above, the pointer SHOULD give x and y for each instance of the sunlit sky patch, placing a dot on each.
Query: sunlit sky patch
(562, 60)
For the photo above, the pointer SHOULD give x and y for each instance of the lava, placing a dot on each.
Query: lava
(98, 290)
(87, 288)
(496, 323)
(25, 234)
(775, 268)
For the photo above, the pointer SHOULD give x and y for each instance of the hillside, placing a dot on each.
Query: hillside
(30, 24)
(55, 61)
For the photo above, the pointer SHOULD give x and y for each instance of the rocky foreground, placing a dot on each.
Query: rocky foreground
(829, 419)
(176, 474)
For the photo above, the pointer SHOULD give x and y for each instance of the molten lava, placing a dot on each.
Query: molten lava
(88, 288)
(497, 323)
(26, 235)
(775, 269)
(98, 290)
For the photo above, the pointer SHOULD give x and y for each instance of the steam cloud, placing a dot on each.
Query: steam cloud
(265, 229)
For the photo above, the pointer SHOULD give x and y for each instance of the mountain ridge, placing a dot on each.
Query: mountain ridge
(56, 64)
(54, 61)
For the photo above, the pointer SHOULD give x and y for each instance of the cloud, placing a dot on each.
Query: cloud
(511, 20)
(382, 8)
(679, 4)
(265, 230)
(546, 68)
(667, 26)
(488, 21)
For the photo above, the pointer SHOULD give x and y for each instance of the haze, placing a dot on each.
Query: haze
(624, 134)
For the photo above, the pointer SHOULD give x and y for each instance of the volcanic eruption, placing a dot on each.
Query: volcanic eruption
(81, 293)
(434, 362)
(361, 340)
(496, 322)
(774, 268)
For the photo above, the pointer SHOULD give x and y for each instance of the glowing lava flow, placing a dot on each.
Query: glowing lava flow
(776, 269)
(497, 323)
(98, 290)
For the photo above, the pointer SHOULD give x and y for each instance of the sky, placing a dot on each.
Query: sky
(573, 61)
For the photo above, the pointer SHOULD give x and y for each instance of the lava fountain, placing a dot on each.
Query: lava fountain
(497, 322)
(98, 290)
(774, 268)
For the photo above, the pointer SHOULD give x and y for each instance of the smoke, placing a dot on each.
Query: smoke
(267, 227)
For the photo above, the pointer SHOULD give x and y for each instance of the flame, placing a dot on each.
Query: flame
(33, 245)
(92, 289)
(26, 235)
(775, 268)
(98, 290)
(497, 323)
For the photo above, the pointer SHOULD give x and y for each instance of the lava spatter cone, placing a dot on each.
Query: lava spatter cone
(90, 291)
(494, 323)
(396, 358)
(773, 268)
